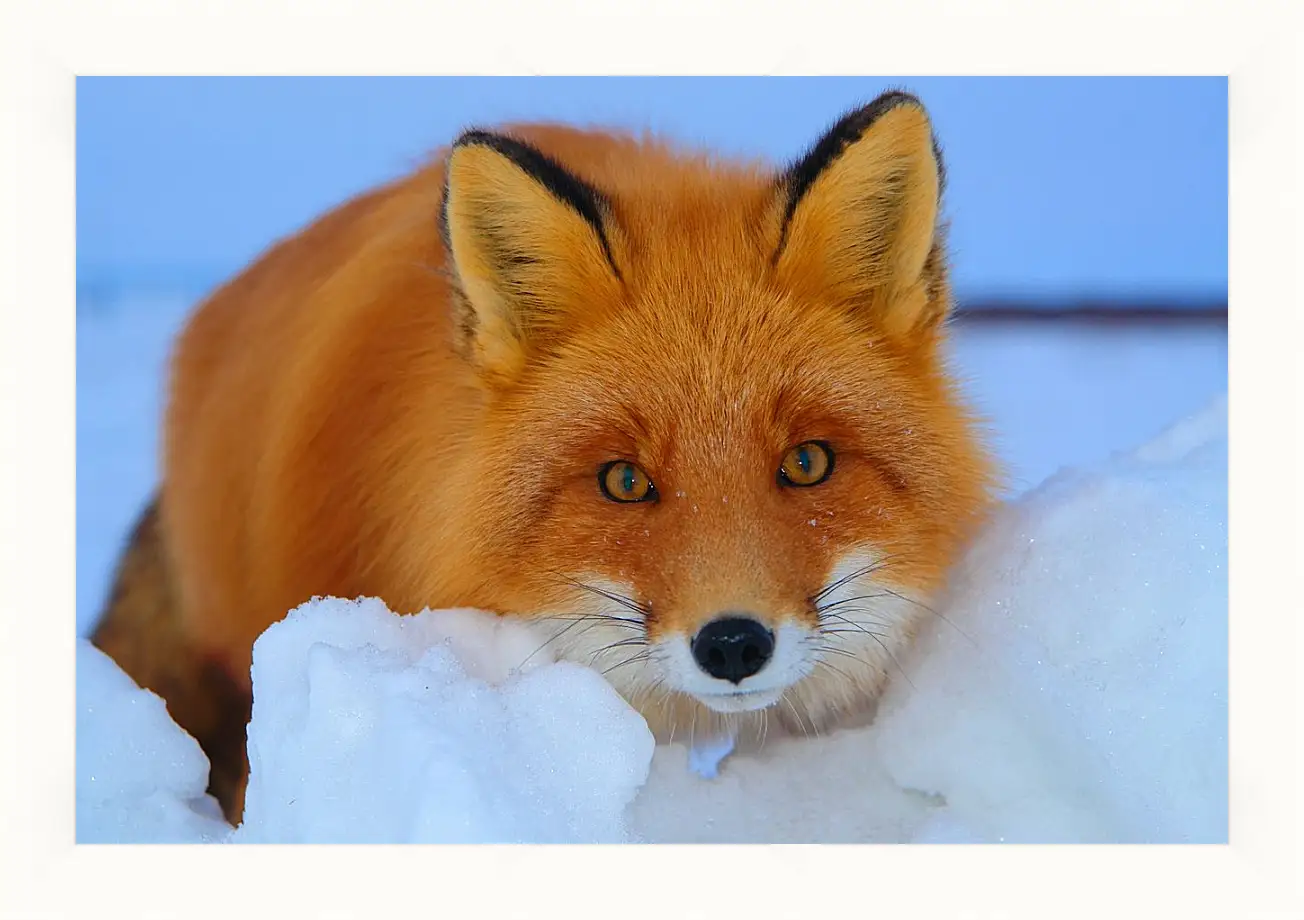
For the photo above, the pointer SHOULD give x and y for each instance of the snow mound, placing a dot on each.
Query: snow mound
(1075, 686)
(140, 778)
(369, 727)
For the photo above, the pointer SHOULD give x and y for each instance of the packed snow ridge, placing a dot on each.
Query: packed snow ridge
(1072, 688)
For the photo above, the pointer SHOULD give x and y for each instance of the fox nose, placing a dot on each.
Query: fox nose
(733, 648)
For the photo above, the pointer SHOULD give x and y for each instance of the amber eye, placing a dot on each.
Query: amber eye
(806, 464)
(622, 481)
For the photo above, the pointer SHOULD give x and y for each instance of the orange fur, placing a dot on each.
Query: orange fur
(361, 413)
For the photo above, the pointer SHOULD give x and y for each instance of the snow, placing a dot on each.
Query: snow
(1077, 688)
(140, 778)
(372, 728)
(706, 755)
(121, 364)
(1071, 688)
(1073, 396)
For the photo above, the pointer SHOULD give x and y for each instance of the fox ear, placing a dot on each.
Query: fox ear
(856, 217)
(526, 239)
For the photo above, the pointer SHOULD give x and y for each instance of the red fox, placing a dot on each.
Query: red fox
(691, 415)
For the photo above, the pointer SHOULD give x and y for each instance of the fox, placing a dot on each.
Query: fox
(690, 415)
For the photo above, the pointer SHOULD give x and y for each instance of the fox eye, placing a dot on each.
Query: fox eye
(807, 464)
(622, 481)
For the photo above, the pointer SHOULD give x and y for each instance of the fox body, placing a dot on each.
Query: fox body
(690, 415)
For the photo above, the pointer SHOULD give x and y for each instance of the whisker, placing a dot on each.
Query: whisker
(831, 631)
(937, 613)
(627, 602)
(813, 727)
(549, 640)
(623, 622)
(795, 714)
(882, 563)
(883, 645)
(641, 656)
(872, 567)
(879, 637)
(867, 617)
(652, 688)
(836, 670)
(593, 620)
(623, 643)
(838, 651)
(833, 605)
(855, 623)
(828, 589)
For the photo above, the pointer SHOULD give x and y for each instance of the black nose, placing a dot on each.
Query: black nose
(733, 648)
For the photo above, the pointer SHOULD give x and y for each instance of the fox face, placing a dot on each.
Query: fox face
(720, 455)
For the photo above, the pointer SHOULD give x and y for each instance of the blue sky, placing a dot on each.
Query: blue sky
(1060, 188)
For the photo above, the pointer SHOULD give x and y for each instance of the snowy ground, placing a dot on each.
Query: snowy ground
(1075, 688)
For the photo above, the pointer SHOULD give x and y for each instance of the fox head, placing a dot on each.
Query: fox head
(719, 450)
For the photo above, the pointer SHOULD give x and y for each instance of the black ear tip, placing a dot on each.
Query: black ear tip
(479, 137)
(559, 181)
(859, 119)
(845, 131)
(890, 99)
